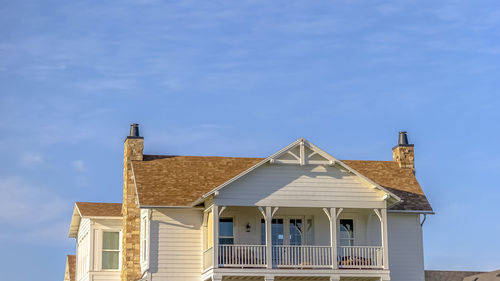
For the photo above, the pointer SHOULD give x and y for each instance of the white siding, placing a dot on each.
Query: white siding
(98, 226)
(89, 250)
(406, 260)
(176, 244)
(300, 186)
(83, 250)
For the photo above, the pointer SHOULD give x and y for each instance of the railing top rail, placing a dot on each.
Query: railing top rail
(361, 247)
(229, 245)
(309, 246)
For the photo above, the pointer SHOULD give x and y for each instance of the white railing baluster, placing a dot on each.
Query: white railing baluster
(361, 257)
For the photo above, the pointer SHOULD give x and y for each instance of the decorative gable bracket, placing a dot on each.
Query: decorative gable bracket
(302, 152)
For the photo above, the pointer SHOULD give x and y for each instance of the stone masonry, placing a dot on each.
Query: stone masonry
(404, 155)
(131, 264)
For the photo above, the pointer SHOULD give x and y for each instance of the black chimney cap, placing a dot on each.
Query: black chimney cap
(134, 132)
(403, 139)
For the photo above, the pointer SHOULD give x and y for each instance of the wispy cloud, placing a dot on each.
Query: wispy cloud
(79, 165)
(28, 211)
(30, 159)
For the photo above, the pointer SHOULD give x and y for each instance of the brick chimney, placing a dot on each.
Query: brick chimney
(131, 264)
(403, 153)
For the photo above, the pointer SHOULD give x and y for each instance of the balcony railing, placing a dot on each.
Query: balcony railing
(242, 255)
(360, 257)
(297, 256)
(291, 256)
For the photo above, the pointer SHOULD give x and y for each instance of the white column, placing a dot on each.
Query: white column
(334, 278)
(333, 236)
(385, 240)
(215, 227)
(269, 243)
(268, 278)
(217, 278)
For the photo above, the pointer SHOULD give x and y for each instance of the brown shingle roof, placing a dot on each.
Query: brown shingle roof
(180, 180)
(71, 267)
(401, 182)
(91, 209)
(440, 275)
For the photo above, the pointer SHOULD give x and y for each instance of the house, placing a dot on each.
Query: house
(441, 275)
(299, 214)
(97, 229)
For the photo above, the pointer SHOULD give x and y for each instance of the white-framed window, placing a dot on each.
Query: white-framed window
(110, 250)
(346, 237)
(226, 231)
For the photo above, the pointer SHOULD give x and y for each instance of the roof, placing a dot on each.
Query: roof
(439, 275)
(92, 209)
(400, 181)
(164, 180)
(180, 180)
(486, 276)
(70, 267)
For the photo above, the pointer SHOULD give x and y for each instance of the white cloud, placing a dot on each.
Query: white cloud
(33, 213)
(79, 165)
(31, 159)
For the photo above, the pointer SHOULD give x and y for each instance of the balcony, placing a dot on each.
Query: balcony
(288, 239)
(300, 257)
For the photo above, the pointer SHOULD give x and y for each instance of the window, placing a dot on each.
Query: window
(277, 233)
(346, 233)
(226, 231)
(295, 231)
(110, 250)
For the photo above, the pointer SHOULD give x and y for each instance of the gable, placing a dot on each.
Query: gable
(164, 180)
(301, 186)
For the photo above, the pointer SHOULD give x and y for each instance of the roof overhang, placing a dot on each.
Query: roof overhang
(77, 217)
(391, 198)
(75, 222)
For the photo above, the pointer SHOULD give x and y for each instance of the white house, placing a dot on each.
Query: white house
(96, 228)
(299, 214)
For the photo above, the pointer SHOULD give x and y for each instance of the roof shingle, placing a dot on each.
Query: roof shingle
(91, 209)
(180, 180)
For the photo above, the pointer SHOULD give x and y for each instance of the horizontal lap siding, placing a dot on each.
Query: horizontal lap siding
(176, 244)
(310, 185)
(406, 260)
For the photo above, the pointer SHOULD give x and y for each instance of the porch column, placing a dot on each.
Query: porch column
(269, 243)
(333, 236)
(385, 240)
(268, 278)
(215, 218)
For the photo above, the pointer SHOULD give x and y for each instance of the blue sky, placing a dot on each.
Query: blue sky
(245, 78)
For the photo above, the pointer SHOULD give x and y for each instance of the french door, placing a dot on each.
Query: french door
(287, 232)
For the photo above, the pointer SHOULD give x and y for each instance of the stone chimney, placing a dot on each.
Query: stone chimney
(403, 153)
(131, 263)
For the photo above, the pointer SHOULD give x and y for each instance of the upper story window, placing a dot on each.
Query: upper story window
(346, 232)
(226, 231)
(110, 250)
